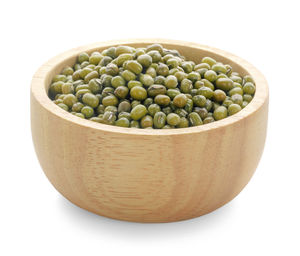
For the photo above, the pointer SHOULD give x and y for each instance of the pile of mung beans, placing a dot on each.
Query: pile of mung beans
(150, 87)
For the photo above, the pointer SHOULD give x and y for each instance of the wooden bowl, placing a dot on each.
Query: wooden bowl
(148, 175)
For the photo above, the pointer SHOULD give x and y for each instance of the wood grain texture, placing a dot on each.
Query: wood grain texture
(148, 175)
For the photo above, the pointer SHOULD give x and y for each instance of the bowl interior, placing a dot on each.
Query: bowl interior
(195, 52)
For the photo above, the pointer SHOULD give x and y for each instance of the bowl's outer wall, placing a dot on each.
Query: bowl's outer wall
(155, 178)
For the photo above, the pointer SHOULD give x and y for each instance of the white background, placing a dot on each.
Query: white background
(262, 220)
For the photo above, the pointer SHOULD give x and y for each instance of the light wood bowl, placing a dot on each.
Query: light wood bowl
(148, 175)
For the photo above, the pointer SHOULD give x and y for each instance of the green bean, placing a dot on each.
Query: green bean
(150, 87)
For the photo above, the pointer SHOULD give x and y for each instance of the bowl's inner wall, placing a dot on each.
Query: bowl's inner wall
(189, 52)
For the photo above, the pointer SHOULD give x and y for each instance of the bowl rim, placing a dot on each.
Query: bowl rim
(39, 93)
